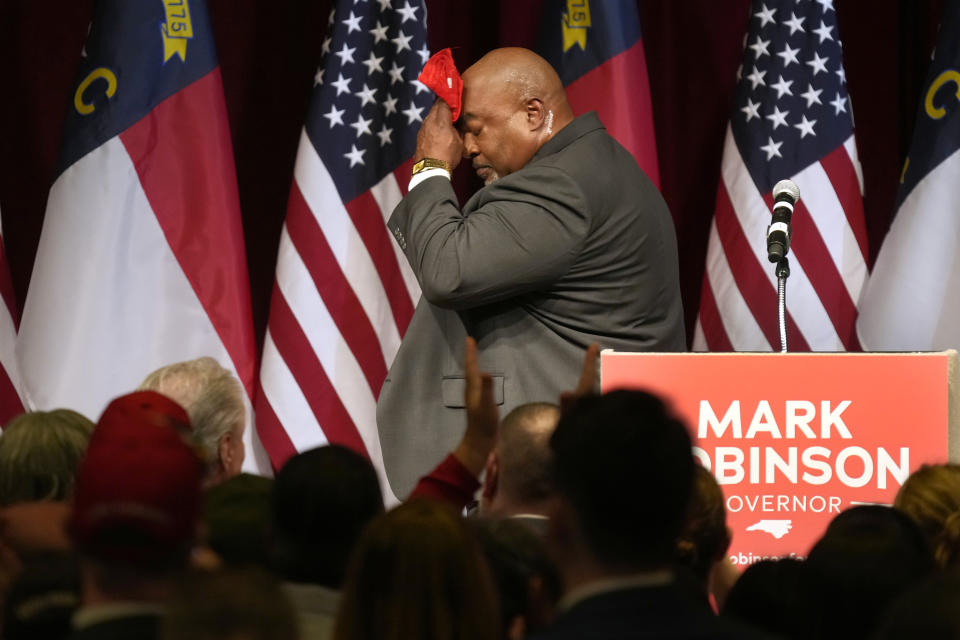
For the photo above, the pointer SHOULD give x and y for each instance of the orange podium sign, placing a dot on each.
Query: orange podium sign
(793, 439)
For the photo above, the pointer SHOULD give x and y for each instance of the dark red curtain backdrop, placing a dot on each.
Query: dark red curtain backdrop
(269, 50)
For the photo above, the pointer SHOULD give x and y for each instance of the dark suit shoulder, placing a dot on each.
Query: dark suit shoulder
(644, 613)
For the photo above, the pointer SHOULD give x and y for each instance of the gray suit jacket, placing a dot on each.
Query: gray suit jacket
(576, 247)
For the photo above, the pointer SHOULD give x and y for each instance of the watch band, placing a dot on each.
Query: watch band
(430, 163)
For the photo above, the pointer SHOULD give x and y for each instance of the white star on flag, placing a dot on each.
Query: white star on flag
(362, 126)
(335, 116)
(354, 155)
(345, 54)
(772, 148)
(373, 63)
(413, 113)
(766, 16)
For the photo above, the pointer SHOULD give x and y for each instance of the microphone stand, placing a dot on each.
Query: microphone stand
(783, 272)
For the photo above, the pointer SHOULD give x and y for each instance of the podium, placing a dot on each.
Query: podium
(795, 438)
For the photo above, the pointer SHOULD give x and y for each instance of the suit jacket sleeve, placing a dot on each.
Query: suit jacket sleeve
(519, 234)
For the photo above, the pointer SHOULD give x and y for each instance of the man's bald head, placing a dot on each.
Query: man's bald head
(513, 103)
(520, 73)
(520, 467)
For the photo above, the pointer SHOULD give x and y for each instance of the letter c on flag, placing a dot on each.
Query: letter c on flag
(86, 108)
(932, 110)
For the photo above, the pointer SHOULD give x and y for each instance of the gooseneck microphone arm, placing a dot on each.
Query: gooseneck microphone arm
(785, 196)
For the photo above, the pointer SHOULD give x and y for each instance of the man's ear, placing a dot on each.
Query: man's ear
(491, 476)
(225, 450)
(536, 114)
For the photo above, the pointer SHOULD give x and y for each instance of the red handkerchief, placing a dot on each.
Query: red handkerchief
(441, 76)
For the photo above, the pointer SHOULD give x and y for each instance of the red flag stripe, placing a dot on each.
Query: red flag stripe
(274, 439)
(10, 404)
(843, 176)
(332, 285)
(295, 349)
(402, 174)
(710, 321)
(759, 295)
(6, 288)
(618, 91)
(810, 250)
(199, 218)
(368, 221)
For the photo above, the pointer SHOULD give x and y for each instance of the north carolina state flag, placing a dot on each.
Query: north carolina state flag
(141, 260)
(597, 50)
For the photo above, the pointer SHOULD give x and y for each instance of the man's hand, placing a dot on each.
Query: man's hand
(438, 138)
(483, 416)
(588, 379)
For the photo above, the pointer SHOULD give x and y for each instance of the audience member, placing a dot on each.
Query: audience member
(135, 513)
(526, 578)
(238, 520)
(213, 398)
(519, 472)
(513, 456)
(322, 499)
(624, 473)
(230, 604)
(43, 598)
(768, 596)
(39, 454)
(929, 610)
(868, 556)
(703, 543)
(418, 572)
(931, 497)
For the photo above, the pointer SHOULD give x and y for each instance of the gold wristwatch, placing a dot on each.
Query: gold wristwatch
(430, 163)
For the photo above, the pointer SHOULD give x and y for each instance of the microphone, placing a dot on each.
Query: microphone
(785, 195)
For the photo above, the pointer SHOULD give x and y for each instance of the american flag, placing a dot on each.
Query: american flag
(344, 294)
(792, 119)
(10, 404)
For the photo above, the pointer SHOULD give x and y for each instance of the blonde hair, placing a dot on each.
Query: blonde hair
(931, 498)
(39, 453)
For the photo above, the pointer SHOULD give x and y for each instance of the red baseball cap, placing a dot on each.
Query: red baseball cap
(138, 493)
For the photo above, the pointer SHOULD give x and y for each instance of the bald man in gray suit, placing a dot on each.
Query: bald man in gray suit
(568, 243)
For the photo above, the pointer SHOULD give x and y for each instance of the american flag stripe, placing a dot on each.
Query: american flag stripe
(748, 267)
(326, 407)
(348, 250)
(753, 216)
(368, 220)
(738, 324)
(344, 293)
(388, 193)
(791, 121)
(710, 316)
(347, 311)
(811, 251)
(806, 307)
(842, 169)
(282, 402)
(316, 385)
